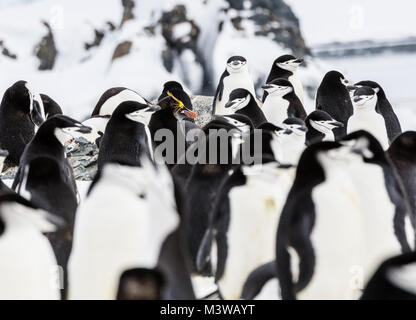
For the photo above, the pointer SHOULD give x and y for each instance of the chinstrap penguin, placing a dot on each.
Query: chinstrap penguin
(320, 127)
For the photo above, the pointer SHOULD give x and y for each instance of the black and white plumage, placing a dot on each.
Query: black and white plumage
(285, 67)
(126, 137)
(235, 76)
(241, 101)
(21, 113)
(333, 97)
(51, 106)
(281, 102)
(3, 156)
(320, 127)
(385, 109)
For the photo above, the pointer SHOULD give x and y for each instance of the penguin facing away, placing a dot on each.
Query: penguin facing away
(113, 97)
(365, 117)
(126, 137)
(28, 269)
(333, 97)
(51, 106)
(241, 101)
(385, 109)
(281, 102)
(21, 113)
(320, 127)
(235, 76)
(285, 67)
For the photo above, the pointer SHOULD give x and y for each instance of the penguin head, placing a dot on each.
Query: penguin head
(365, 145)
(372, 84)
(27, 100)
(240, 121)
(335, 79)
(321, 121)
(273, 137)
(3, 156)
(239, 98)
(365, 97)
(178, 101)
(296, 125)
(63, 127)
(288, 62)
(170, 85)
(134, 111)
(278, 87)
(236, 64)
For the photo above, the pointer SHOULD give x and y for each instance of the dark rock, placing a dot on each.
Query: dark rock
(99, 35)
(46, 50)
(83, 157)
(122, 49)
(5, 51)
(128, 6)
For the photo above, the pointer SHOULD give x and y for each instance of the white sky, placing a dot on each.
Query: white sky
(325, 21)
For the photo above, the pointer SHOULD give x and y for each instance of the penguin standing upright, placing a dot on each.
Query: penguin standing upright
(385, 109)
(46, 187)
(285, 67)
(235, 76)
(365, 116)
(333, 97)
(126, 137)
(241, 101)
(51, 106)
(28, 269)
(21, 113)
(320, 127)
(135, 228)
(50, 140)
(281, 102)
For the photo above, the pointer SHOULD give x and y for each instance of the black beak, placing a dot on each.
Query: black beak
(266, 86)
(351, 87)
(229, 104)
(36, 115)
(154, 107)
(84, 129)
(299, 61)
(357, 99)
(287, 131)
(304, 129)
(336, 123)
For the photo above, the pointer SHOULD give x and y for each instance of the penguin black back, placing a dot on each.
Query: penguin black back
(51, 106)
(241, 101)
(334, 98)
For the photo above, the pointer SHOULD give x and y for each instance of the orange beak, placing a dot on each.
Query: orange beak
(190, 114)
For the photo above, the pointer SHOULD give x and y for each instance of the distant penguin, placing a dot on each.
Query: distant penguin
(50, 140)
(385, 109)
(126, 137)
(241, 101)
(333, 97)
(320, 127)
(51, 106)
(137, 227)
(21, 113)
(292, 144)
(47, 188)
(235, 76)
(3, 156)
(281, 102)
(285, 67)
(113, 97)
(28, 269)
(394, 280)
(365, 116)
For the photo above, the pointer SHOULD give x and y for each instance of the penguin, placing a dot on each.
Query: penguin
(3, 156)
(320, 127)
(281, 102)
(29, 269)
(365, 116)
(113, 97)
(385, 109)
(21, 114)
(97, 125)
(241, 101)
(141, 284)
(333, 97)
(170, 119)
(402, 153)
(138, 227)
(393, 280)
(51, 106)
(47, 188)
(292, 144)
(126, 137)
(50, 140)
(235, 76)
(285, 67)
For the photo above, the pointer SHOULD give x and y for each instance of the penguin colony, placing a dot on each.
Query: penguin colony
(326, 211)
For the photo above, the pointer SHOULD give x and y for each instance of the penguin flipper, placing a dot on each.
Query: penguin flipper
(219, 91)
(204, 252)
(17, 180)
(257, 279)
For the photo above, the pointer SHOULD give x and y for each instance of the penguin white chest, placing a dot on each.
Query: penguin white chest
(370, 121)
(297, 86)
(275, 109)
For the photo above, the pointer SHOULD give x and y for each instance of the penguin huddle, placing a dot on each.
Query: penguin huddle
(264, 201)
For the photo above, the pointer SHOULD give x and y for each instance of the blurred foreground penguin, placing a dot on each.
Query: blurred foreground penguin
(21, 114)
(28, 269)
(137, 227)
(333, 97)
(285, 67)
(365, 116)
(281, 102)
(235, 76)
(385, 109)
(3, 155)
(320, 127)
